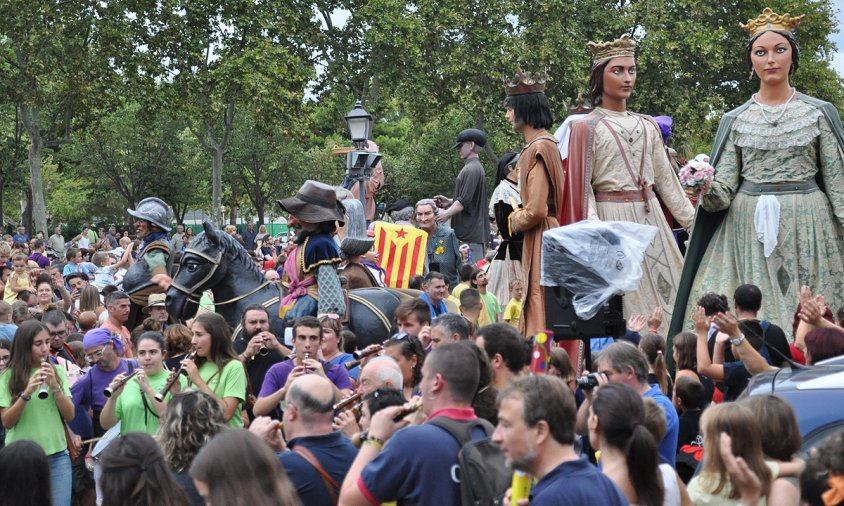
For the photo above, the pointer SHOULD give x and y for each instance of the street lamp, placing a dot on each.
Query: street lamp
(359, 123)
(359, 163)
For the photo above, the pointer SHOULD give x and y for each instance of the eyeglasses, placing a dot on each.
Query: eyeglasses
(58, 333)
(97, 354)
(4, 359)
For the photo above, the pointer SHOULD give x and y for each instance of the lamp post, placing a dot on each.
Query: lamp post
(359, 162)
(359, 123)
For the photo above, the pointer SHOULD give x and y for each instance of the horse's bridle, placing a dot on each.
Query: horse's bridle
(215, 263)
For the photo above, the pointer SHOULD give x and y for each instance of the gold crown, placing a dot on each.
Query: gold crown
(770, 20)
(524, 83)
(622, 46)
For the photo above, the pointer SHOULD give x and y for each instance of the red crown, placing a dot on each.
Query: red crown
(524, 83)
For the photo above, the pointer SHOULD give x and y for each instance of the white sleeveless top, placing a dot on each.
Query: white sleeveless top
(669, 482)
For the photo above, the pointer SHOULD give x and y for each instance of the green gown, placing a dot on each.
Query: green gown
(805, 144)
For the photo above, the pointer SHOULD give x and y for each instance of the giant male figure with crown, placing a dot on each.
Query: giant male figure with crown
(616, 162)
(541, 190)
(774, 216)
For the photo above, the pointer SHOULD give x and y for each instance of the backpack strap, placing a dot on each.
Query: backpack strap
(462, 431)
(330, 483)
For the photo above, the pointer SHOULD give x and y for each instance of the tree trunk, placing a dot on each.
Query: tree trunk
(2, 211)
(217, 185)
(233, 214)
(30, 117)
(259, 210)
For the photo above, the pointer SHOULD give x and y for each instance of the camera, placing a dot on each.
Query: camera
(588, 382)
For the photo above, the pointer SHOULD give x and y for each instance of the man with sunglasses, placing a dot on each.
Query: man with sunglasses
(102, 351)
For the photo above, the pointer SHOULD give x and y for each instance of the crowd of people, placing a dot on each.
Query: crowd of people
(107, 399)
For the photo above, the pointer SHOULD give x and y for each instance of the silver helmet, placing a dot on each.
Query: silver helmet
(154, 210)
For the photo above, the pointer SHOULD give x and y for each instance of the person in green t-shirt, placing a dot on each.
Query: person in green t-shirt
(133, 403)
(479, 282)
(216, 369)
(35, 403)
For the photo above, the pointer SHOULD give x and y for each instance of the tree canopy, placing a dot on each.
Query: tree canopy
(215, 104)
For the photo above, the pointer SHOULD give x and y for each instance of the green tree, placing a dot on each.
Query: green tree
(204, 60)
(56, 65)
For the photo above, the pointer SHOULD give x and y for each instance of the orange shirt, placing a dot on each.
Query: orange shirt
(125, 336)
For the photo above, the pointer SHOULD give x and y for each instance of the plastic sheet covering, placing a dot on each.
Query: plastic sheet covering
(595, 260)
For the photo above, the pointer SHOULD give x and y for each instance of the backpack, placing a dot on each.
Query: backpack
(483, 472)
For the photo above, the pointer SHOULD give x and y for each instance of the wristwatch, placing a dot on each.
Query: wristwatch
(737, 341)
(25, 397)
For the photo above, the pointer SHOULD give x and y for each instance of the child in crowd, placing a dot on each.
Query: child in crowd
(513, 310)
(5, 254)
(19, 280)
(107, 269)
(74, 262)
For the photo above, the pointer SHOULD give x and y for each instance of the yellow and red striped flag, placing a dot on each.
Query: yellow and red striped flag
(401, 252)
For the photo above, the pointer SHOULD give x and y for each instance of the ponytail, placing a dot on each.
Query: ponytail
(661, 373)
(643, 467)
(653, 346)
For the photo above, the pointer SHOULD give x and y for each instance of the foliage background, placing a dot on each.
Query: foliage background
(224, 106)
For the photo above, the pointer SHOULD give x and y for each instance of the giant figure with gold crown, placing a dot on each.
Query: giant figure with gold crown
(616, 162)
(774, 216)
(541, 190)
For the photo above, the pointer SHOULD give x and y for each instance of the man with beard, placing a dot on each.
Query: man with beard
(493, 308)
(155, 255)
(255, 338)
(536, 416)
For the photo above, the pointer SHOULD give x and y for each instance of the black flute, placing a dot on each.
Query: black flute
(160, 395)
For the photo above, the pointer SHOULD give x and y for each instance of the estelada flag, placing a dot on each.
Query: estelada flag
(401, 252)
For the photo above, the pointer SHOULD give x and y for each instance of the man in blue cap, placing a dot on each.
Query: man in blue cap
(468, 209)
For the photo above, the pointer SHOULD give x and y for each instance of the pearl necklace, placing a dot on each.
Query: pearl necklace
(776, 120)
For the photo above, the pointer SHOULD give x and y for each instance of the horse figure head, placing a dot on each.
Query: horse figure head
(214, 261)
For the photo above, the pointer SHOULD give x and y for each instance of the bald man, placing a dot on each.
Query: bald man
(307, 425)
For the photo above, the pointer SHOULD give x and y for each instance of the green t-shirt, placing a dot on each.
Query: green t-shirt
(130, 410)
(230, 382)
(40, 421)
(206, 303)
(493, 308)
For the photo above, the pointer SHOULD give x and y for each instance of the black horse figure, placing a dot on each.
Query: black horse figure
(217, 262)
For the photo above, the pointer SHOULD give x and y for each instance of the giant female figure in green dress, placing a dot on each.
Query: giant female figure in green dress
(775, 213)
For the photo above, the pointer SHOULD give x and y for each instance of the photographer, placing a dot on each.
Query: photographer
(624, 363)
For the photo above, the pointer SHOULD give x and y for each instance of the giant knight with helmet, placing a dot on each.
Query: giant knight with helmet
(155, 255)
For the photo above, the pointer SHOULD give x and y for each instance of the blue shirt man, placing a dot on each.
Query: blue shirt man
(622, 362)
(314, 447)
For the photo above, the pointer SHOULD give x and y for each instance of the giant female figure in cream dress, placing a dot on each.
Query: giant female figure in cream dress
(616, 161)
(775, 212)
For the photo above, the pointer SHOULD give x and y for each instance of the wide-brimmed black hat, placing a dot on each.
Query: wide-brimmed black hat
(471, 135)
(398, 205)
(315, 202)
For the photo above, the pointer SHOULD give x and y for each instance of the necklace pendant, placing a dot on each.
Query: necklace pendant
(630, 140)
(774, 123)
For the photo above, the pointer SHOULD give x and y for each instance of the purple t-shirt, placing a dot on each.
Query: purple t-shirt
(277, 376)
(88, 390)
(42, 261)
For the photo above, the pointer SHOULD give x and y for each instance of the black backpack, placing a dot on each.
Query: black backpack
(484, 474)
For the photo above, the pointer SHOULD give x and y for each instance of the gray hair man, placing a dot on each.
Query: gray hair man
(448, 328)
